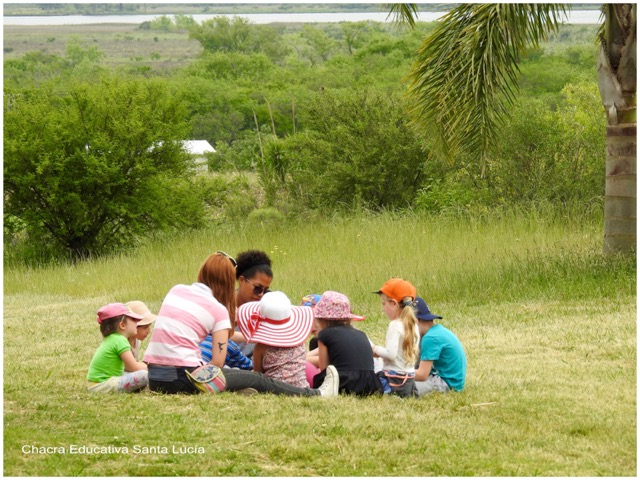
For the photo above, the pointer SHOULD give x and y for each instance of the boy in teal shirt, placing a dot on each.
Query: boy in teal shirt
(443, 362)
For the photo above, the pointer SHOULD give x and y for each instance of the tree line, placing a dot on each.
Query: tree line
(305, 118)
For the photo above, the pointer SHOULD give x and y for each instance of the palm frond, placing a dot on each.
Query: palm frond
(466, 73)
(403, 13)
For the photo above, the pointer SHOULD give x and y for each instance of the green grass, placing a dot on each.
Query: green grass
(549, 326)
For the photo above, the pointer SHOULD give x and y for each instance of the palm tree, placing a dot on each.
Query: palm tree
(465, 77)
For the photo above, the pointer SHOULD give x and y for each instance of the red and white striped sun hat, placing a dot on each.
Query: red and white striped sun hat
(274, 321)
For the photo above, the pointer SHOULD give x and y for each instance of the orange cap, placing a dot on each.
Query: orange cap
(398, 289)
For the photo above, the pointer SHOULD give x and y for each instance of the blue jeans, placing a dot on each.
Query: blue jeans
(432, 384)
(241, 379)
(168, 379)
(403, 387)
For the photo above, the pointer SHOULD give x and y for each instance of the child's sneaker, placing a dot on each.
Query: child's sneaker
(329, 387)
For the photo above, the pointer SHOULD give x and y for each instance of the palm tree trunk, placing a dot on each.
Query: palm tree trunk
(620, 189)
(617, 83)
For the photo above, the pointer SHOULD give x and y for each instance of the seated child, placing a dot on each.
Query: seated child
(401, 347)
(278, 331)
(235, 358)
(107, 369)
(311, 301)
(143, 328)
(443, 362)
(344, 347)
(311, 369)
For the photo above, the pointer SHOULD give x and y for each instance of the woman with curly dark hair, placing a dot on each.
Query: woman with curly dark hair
(254, 276)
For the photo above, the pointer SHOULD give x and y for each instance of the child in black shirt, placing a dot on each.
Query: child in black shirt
(344, 347)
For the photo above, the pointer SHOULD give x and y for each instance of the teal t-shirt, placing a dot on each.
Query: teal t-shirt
(106, 362)
(441, 346)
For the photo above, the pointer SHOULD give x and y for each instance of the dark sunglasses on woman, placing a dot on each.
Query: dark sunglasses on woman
(257, 289)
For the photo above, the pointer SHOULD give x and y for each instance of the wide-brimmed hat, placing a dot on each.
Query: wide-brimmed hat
(274, 321)
(423, 312)
(334, 306)
(398, 289)
(115, 310)
(141, 309)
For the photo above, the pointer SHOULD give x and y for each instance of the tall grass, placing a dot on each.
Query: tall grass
(548, 323)
(465, 259)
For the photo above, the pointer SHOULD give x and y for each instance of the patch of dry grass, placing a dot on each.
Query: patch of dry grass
(122, 44)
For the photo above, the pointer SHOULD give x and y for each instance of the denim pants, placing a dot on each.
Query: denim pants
(432, 384)
(240, 379)
(401, 387)
(167, 379)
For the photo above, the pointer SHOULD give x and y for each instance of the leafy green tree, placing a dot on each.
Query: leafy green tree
(162, 23)
(551, 155)
(464, 80)
(321, 45)
(357, 152)
(237, 34)
(223, 34)
(76, 54)
(89, 168)
(33, 68)
(184, 22)
(354, 34)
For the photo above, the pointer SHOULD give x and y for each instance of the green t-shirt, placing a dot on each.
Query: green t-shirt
(106, 362)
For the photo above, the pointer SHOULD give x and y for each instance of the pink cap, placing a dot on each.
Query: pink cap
(115, 310)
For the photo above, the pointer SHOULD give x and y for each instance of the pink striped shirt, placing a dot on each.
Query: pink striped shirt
(187, 315)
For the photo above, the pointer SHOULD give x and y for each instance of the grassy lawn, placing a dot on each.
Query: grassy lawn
(549, 327)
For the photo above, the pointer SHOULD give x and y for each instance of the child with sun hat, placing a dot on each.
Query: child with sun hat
(344, 347)
(279, 331)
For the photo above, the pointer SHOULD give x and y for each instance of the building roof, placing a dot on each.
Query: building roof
(197, 147)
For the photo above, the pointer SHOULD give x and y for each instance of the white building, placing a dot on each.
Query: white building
(199, 149)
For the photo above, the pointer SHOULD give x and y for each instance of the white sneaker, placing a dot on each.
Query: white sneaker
(329, 387)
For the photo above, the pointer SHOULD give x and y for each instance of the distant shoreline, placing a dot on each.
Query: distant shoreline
(573, 17)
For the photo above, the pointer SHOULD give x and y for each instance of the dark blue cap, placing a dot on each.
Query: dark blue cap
(422, 311)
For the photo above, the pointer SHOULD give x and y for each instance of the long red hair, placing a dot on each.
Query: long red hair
(219, 274)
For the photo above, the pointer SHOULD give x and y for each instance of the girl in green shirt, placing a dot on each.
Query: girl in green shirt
(114, 357)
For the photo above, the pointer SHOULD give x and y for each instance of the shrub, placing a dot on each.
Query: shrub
(228, 196)
(358, 153)
(88, 169)
(267, 215)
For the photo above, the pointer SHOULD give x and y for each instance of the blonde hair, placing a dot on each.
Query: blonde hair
(409, 322)
(219, 274)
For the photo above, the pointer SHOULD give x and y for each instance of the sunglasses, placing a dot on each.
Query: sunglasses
(257, 289)
(231, 259)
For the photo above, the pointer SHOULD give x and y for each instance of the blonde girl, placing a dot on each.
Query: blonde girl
(143, 327)
(400, 352)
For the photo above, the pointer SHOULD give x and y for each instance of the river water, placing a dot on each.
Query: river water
(574, 17)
